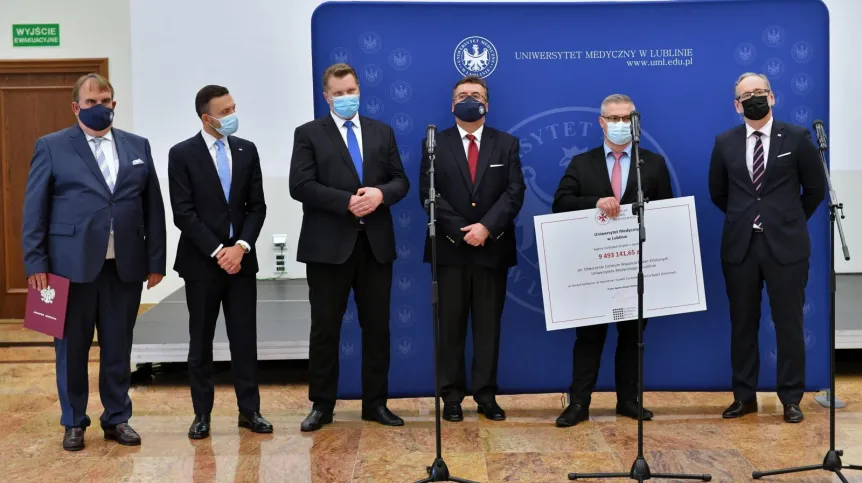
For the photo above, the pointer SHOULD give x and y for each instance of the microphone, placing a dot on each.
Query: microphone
(821, 133)
(636, 126)
(430, 141)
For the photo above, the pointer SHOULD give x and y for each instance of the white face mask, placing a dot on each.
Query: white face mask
(619, 132)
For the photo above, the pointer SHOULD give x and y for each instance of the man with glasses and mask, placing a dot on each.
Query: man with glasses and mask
(605, 178)
(481, 190)
(766, 177)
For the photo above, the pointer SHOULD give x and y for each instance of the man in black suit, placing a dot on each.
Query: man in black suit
(605, 178)
(346, 171)
(218, 204)
(755, 176)
(481, 190)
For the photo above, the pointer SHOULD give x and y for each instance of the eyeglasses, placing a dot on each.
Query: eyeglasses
(617, 118)
(748, 95)
(479, 97)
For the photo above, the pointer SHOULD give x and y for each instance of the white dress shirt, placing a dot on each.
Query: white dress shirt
(210, 142)
(109, 149)
(342, 129)
(750, 141)
(466, 142)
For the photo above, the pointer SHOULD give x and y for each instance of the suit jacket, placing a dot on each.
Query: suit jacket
(323, 178)
(494, 200)
(783, 210)
(68, 209)
(201, 211)
(586, 180)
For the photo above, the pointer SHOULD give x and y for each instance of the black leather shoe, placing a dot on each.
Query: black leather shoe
(739, 409)
(200, 428)
(123, 434)
(629, 409)
(73, 440)
(492, 411)
(574, 414)
(793, 414)
(382, 415)
(255, 422)
(452, 412)
(315, 420)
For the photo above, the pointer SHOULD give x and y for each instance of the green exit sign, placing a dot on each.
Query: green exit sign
(36, 35)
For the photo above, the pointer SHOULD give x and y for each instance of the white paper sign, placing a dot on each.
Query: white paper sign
(589, 264)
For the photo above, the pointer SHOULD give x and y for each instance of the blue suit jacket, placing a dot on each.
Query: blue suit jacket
(68, 209)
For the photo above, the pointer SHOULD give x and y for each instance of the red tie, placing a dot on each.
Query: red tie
(472, 156)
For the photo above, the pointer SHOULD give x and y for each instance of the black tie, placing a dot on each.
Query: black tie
(758, 168)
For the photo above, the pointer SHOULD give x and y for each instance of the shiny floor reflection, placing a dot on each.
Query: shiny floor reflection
(687, 435)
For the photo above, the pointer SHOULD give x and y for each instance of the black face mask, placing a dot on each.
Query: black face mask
(755, 107)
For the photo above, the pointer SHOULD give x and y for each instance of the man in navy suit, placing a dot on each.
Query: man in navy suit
(93, 213)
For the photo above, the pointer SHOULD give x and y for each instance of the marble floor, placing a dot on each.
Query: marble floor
(687, 435)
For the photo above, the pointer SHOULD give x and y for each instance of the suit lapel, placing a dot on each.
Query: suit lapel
(632, 179)
(600, 165)
(486, 147)
(79, 142)
(334, 134)
(456, 146)
(208, 166)
(124, 163)
(775, 139)
(238, 166)
(367, 141)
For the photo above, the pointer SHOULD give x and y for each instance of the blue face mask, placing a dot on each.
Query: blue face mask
(619, 133)
(470, 110)
(346, 106)
(229, 125)
(97, 118)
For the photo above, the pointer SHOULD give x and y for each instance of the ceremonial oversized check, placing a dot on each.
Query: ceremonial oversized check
(589, 264)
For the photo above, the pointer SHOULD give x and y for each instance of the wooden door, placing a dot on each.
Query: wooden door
(35, 99)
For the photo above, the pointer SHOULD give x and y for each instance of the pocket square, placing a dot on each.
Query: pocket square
(137, 162)
(782, 155)
(495, 166)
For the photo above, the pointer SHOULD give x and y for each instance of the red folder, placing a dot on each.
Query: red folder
(46, 309)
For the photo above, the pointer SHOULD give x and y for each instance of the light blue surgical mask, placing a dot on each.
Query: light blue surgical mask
(620, 132)
(346, 106)
(229, 125)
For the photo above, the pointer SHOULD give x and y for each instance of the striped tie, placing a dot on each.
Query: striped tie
(757, 169)
(103, 164)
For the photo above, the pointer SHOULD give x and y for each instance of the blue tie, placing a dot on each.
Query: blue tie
(353, 147)
(223, 173)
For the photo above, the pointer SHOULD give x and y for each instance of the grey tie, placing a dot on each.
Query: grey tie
(103, 163)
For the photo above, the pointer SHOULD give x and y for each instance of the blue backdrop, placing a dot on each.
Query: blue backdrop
(548, 67)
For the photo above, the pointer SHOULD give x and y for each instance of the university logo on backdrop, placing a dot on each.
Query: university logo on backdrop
(476, 56)
(773, 36)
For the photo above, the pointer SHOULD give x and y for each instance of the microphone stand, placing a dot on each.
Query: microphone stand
(640, 469)
(832, 460)
(438, 471)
